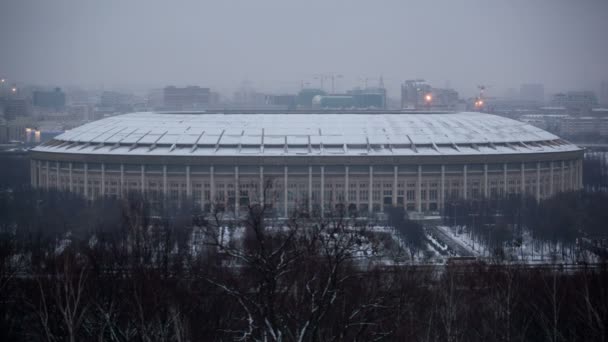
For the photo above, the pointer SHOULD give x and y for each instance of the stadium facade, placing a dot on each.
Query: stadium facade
(308, 162)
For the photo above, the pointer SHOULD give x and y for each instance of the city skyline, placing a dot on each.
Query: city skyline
(465, 44)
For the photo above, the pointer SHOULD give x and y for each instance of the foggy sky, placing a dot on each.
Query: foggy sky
(276, 43)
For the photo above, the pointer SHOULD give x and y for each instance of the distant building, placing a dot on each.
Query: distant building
(416, 94)
(413, 93)
(333, 101)
(444, 98)
(16, 108)
(369, 97)
(548, 122)
(533, 93)
(17, 130)
(114, 99)
(285, 100)
(187, 98)
(581, 101)
(599, 112)
(604, 93)
(305, 96)
(584, 126)
(54, 99)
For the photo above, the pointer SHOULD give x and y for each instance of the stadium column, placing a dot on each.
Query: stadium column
(442, 194)
(419, 190)
(57, 175)
(48, 171)
(346, 188)
(523, 179)
(309, 199)
(571, 185)
(103, 179)
(164, 182)
(202, 194)
(370, 191)
(466, 182)
(188, 183)
(485, 180)
(285, 199)
(122, 180)
(538, 181)
(322, 191)
(70, 177)
(236, 191)
(562, 177)
(580, 174)
(212, 187)
(504, 179)
(39, 175)
(143, 180)
(262, 186)
(551, 178)
(86, 180)
(33, 173)
(395, 172)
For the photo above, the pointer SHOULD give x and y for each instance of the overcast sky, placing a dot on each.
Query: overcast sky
(277, 43)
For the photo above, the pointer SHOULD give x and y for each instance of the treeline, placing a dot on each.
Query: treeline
(14, 170)
(557, 223)
(595, 171)
(71, 270)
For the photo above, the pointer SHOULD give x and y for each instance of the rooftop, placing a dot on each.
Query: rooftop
(305, 134)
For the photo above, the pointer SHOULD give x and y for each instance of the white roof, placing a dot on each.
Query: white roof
(305, 134)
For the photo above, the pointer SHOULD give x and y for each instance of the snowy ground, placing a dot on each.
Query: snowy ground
(530, 251)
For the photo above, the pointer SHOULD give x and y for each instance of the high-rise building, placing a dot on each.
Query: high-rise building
(413, 93)
(533, 93)
(444, 98)
(16, 108)
(416, 94)
(187, 98)
(54, 99)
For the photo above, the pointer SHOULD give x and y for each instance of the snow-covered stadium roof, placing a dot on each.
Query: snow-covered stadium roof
(305, 135)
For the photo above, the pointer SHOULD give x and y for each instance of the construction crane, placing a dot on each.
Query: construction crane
(480, 100)
(328, 76)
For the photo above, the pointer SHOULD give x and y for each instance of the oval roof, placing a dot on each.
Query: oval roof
(306, 134)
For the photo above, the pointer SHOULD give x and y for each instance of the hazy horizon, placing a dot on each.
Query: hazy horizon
(276, 45)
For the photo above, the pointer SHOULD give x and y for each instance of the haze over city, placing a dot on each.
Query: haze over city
(278, 44)
(304, 171)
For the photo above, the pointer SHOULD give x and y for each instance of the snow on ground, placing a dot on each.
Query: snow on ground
(530, 251)
(462, 239)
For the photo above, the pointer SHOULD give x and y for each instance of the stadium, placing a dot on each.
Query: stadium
(308, 163)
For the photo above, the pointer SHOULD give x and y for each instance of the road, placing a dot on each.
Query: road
(448, 240)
